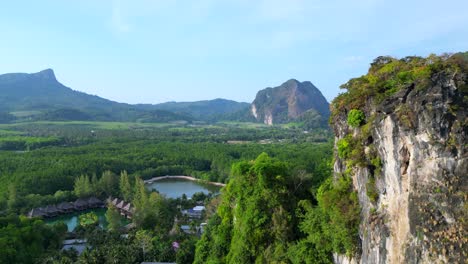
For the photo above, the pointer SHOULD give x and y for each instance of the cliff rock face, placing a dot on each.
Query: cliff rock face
(409, 166)
(288, 102)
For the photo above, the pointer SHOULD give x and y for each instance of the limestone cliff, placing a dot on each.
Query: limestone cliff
(401, 135)
(290, 101)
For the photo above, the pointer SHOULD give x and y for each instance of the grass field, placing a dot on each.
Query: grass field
(136, 125)
(91, 124)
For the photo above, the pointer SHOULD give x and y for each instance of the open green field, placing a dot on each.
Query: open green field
(92, 124)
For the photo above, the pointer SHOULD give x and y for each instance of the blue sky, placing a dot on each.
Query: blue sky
(144, 51)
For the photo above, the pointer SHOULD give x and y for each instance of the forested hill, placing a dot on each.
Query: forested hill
(39, 96)
(203, 110)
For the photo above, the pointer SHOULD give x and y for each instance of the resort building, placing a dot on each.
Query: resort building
(125, 209)
(195, 212)
(66, 207)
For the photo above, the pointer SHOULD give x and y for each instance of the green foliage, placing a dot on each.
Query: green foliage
(113, 218)
(24, 240)
(356, 118)
(344, 148)
(143, 240)
(152, 211)
(147, 152)
(82, 187)
(87, 166)
(351, 150)
(109, 247)
(109, 183)
(89, 219)
(256, 199)
(376, 162)
(186, 252)
(125, 186)
(332, 225)
(371, 190)
(22, 143)
(256, 220)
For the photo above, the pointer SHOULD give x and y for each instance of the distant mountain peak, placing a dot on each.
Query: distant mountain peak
(289, 102)
(47, 74)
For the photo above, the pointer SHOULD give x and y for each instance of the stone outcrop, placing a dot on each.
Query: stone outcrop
(289, 102)
(412, 178)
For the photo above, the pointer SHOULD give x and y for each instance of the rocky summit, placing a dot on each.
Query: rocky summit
(289, 102)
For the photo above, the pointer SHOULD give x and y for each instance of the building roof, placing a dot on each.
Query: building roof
(121, 205)
(81, 202)
(115, 201)
(128, 207)
(199, 208)
(94, 201)
(74, 241)
(80, 248)
(65, 206)
(51, 209)
(36, 212)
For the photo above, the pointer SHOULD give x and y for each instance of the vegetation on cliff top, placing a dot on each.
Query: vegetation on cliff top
(388, 75)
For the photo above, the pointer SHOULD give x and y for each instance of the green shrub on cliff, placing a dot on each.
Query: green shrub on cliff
(343, 148)
(356, 118)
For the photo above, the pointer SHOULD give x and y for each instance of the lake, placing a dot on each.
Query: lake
(174, 188)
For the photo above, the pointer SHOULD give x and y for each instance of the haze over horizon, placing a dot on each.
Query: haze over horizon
(156, 51)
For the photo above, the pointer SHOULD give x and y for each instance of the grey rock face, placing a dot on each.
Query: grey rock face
(288, 102)
(420, 215)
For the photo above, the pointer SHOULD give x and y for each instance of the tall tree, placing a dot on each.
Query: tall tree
(125, 186)
(140, 202)
(95, 186)
(82, 186)
(253, 221)
(109, 183)
(12, 197)
(113, 218)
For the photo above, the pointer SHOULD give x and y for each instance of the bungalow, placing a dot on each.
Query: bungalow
(94, 202)
(128, 210)
(81, 204)
(37, 212)
(79, 245)
(51, 211)
(124, 208)
(121, 205)
(65, 207)
(115, 201)
(195, 212)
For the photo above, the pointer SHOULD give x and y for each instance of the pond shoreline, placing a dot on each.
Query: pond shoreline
(149, 181)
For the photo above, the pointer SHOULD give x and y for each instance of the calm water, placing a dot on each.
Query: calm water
(174, 188)
(71, 220)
